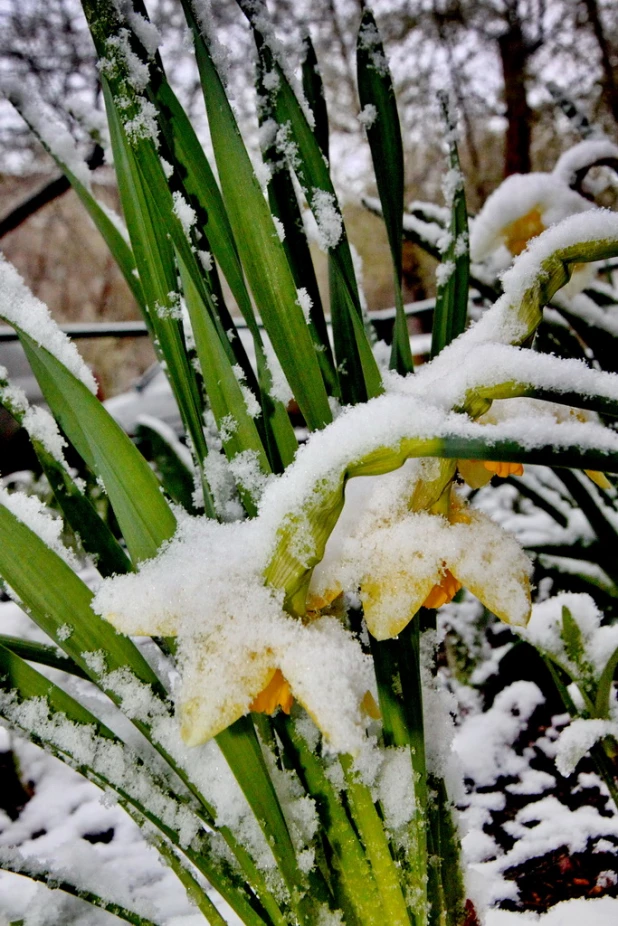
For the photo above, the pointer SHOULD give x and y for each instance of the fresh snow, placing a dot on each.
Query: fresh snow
(20, 308)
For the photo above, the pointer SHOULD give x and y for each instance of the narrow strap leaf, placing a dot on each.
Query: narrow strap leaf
(313, 88)
(358, 883)
(241, 748)
(362, 379)
(284, 206)
(59, 602)
(261, 252)
(154, 255)
(453, 273)
(41, 653)
(13, 861)
(167, 814)
(172, 461)
(108, 224)
(381, 121)
(144, 516)
(81, 515)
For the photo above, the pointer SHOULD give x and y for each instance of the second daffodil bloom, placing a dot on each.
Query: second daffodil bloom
(521, 208)
(237, 649)
(422, 559)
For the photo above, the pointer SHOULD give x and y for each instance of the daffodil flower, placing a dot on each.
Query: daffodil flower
(477, 473)
(238, 650)
(422, 559)
(521, 208)
(276, 694)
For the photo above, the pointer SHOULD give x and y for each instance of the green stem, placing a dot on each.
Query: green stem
(371, 829)
(400, 728)
(358, 887)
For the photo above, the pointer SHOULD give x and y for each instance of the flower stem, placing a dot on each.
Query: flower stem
(371, 829)
(396, 673)
(357, 888)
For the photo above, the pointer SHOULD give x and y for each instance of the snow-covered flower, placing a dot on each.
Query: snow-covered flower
(438, 557)
(238, 649)
(404, 560)
(521, 208)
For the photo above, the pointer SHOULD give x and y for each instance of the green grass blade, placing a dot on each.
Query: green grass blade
(81, 515)
(453, 274)
(154, 255)
(11, 860)
(17, 677)
(236, 425)
(172, 461)
(377, 99)
(41, 653)
(284, 206)
(203, 192)
(313, 88)
(79, 512)
(606, 686)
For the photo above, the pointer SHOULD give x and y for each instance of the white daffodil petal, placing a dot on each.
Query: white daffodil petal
(390, 602)
(403, 561)
(474, 473)
(491, 564)
(329, 676)
(218, 685)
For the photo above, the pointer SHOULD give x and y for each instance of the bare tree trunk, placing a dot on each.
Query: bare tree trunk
(610, 85)
(514, 54)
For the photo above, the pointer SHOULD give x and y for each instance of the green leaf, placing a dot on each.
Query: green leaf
(237, 427)
(201, 190)
(313, 88)
(375, 90)
(284, 206)
(56, 598)
(29, 868)
(41, 653)
(109, 229)
(352, 348)
(144, 516)
(95, 536)
(241, 748)
(16, 676)
(174, 470)
(606, 686)
(452, 292)
(261, 252)
(357, 881)
(155, 259)
(600, 522)
(572, 637)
